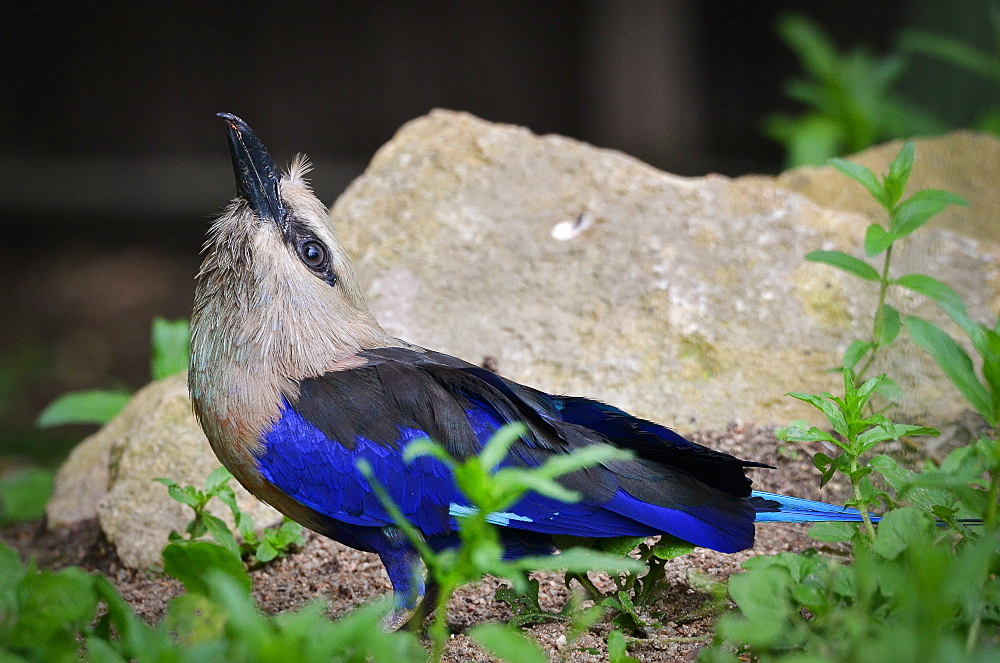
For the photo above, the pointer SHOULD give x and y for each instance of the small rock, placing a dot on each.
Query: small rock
(110, 474)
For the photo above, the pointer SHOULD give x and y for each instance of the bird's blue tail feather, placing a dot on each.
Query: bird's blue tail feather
(775, 508)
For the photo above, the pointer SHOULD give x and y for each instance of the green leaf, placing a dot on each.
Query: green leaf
(951, 50)
(84, 407)
(862, 176)
(811, 434)
(424, 446)
(628, 607)
(930, 287)
(220, 476)
(762, 596)
(833, 532)
(518, 481)
(24, 494)
(506, 643)
(902, 430)
(854, 352)
(11, 572)
(671, 547)
(949, 301)
(170, 340)
(246, 531)
(888, 327)
(499, 444)
(846, 263)
(955, 364)
(588, 456)
(912, 214)
(864, 392)
(184, 494)
(877, 240)
(830, 409)
(889, 390)
(617, 649)
(619, 545)
(290, 533)
(899, 174)
(899, 529)
(810, 140)
(221, 533)
(226, 495)
(191, 562)
(266, 552)
(65, 596)
(937, 195)
(870, 438)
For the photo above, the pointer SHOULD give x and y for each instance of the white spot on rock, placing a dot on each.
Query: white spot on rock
(566, 230)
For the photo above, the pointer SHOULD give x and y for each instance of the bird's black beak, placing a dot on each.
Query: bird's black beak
(257, 176)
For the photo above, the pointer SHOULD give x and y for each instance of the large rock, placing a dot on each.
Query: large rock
(584, 271)
(110, 475)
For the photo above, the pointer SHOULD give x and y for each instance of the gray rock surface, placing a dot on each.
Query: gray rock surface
(683, 300)
(110, 475)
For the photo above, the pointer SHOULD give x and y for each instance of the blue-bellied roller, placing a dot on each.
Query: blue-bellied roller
(294, 381)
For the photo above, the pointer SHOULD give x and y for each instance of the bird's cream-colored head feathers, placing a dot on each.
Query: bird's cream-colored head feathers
(276, 301)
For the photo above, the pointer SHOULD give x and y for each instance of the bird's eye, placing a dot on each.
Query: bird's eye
(313, 254)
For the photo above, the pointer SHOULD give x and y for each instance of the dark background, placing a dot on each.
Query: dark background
(112, 162)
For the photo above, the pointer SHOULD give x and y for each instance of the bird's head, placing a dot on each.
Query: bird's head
(276, 298)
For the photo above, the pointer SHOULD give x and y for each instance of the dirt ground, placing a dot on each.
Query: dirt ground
(347, 577)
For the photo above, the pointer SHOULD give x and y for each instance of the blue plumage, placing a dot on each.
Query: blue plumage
(294, 382)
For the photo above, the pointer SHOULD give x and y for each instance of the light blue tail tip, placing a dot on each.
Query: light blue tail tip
(797, 510)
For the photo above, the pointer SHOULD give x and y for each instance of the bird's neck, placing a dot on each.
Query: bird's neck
(247, 354)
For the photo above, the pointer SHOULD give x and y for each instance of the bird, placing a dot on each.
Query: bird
(295, 382)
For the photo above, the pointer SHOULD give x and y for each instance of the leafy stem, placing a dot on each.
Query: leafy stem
(878, 327)
(905, 216)
(859, 498)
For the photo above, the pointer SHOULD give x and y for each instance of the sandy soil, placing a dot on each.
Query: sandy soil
(346, 577)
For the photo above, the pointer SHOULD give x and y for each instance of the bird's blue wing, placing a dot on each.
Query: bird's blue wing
(323, 475)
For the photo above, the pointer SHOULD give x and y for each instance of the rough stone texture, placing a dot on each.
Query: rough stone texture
(683, 300)
(110, 475)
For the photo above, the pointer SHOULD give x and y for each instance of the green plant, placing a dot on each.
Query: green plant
(271, 543)
(170, 342)
(636, 589)
(618, 649)
(905, 217)
(857, 435)
(23, 495)
(923, 582)
(71, 616)
(909, 596)
(982, 394)
(915, 589)
(959, 54)
(850, 98)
